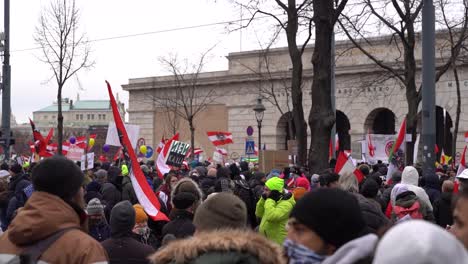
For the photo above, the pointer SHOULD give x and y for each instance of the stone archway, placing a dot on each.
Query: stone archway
(285, 130)
(342, 130)
(380, 121)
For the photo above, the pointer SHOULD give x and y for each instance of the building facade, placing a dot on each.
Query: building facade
(79, 113)
(366, 99)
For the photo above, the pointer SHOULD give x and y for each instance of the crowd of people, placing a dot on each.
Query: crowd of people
(232, 213)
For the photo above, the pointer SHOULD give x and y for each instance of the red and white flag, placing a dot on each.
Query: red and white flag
(197, 151)
(81, 142)
(161, 145)
(219, 138)
(462, 165)
(65, 147)
(345, 165)
(161, 165)
(466, 136)
(370, 146)
(222, 151)
(145, 195)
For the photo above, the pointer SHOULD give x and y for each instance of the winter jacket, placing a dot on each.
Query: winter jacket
(224, 184)
(432, 188)
(385, 197)
(127, 191)
(412, 205)
(126, 250)
(43, 215)
(181, 225)
(18, 198)
(111, 194)
(100, 231)
(222, 246)
(274, 217)
(164, 194)
(371, 213)
(243, 191)
(443, 210)
(257, 187)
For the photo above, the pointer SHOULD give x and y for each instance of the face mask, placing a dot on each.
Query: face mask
(300, 254)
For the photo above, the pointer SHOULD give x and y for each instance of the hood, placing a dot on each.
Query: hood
(41, 216)
(410, 176)
(187, 185)
(432, 182)
(251, 243)
(122, 219)
(354, 250)
(418, 241)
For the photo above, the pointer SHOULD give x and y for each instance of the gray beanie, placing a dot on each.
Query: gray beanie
(122, 219)
(223, 210)
(101, 175)
(95, 207)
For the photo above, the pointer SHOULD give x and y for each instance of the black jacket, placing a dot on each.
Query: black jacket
(372, 214)
(443, 210)
(181, 225)
(126, 250)
(127, 191)
(207, 185)
(111, 194)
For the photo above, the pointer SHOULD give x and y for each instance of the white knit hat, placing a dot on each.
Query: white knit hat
(95, 207)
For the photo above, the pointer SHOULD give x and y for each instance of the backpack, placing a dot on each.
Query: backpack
(33, 252)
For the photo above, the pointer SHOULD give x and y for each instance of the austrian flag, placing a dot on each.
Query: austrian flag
(219, 138)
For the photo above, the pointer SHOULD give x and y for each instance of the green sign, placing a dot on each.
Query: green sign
(177, 152)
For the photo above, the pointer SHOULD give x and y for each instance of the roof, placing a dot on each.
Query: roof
(79, 105)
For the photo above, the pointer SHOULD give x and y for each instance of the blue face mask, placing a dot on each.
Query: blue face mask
(298, 253)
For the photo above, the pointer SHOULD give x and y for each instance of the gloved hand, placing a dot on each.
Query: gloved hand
(264, 195)
(275, 195)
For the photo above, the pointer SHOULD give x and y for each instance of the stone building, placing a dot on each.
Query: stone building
(79, 113)
(366, 99)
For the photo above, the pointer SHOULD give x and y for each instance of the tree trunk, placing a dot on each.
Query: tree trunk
(192, 138)
(321, 117)
(457, 118)
(411, 91)
(296, 85)
(59, 121)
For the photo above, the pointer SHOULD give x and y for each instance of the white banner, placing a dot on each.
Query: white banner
(218, 157)
(112, 138)
(382, 147)
(74, 153)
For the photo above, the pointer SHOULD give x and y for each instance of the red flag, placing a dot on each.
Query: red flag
(219, 138)
(399, 140)
(370, 145)
(161, 165)
(118, 154)
(143, 191)
(466, 136)
(197, 151)
(436, 149)
(161, 145)
(222, 151)
(345, 165)
(81, 142)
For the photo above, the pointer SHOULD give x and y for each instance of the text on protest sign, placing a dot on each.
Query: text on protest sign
(177, 152)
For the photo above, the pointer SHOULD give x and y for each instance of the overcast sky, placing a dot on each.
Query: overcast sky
(119, 59)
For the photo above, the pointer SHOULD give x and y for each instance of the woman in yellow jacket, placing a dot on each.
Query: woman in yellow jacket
(274, 208)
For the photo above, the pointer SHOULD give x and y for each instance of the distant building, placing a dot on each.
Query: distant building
(81, 113)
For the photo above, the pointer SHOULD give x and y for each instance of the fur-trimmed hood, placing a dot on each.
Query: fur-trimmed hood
(187, 185)
(247, 242)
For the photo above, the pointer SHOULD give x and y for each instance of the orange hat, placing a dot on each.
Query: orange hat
(140, 215)
(299, 192)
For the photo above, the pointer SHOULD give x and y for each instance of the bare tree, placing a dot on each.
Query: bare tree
(401, 20)
(298, 18)
(64, 48)
(322, 116)
(184, 98)
(456, 28)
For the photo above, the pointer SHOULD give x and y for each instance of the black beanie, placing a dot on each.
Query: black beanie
(122, 218)
(332, 213)
(58, 176)
(16, 168)
(183, 200)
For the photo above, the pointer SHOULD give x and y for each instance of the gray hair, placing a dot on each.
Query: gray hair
(349, 183)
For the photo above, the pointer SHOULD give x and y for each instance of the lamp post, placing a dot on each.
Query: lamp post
(259, 111)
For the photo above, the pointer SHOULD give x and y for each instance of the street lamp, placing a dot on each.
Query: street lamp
(259, 111)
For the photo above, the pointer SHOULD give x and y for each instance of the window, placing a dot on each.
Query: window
(53, 117)
(104, 116)
(99, 116)
(89, 116)
(45, 117)
(77, 117)
(92, 116)
(81, 117)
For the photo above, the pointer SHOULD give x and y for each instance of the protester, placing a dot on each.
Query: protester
(181, 225)
(460, 218)
(207, 183)
(323, 221)
(419, 242)
(443, 206)
(17, 186)
(93, 190)
(371, 212)
(409, 206)
(432, 187)
(128, 193)
(330, 180)
(409, 179)
(224, 182)
(57, 205)
(257, 184)
(273, 209)
(242, 190)
(170, 180)
(4, 198)
(396, 178)
(110, 193)
(121, 247)
(97, 225)
(370, 189)
(221, 237)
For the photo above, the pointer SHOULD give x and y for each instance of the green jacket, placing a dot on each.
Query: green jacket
(275, 216)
